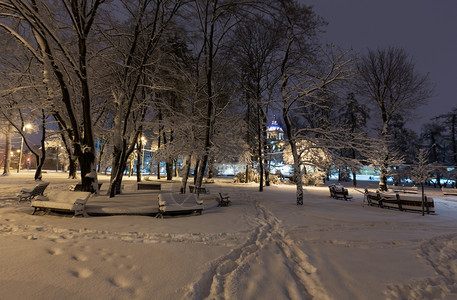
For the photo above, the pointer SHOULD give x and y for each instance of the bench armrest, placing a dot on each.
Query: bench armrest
(80, 202)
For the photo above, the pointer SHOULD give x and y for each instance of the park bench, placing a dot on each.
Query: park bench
(67, 201)
(29, 194)
(449, 191)
(224, 199)
(198, 190)
(372, 198)
(399, 201)
(173, 204)
(403, 189)
(339, 192)
(149, 186)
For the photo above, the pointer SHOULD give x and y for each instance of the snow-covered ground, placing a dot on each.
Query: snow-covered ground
(262, 247)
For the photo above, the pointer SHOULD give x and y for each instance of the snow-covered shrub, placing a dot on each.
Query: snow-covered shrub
(274, 179)
(241, 177)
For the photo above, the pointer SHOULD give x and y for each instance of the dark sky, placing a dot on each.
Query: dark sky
(426, 29)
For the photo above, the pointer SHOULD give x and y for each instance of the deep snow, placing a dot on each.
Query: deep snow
(262, 247)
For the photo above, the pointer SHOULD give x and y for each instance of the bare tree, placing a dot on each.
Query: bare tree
(255, 43)
(215, 19)
(309, 74)
(133, 77)
(354, 117)
(22, 101)
(61, 36)
(421, 173)
(390, 82)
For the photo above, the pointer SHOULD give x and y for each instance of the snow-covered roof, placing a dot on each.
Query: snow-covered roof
(274, 127)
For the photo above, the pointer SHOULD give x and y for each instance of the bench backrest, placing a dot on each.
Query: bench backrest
(39, 189)
(180, 199)
(417, 198)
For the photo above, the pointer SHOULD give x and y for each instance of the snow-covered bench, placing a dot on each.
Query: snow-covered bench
(69, 201)
(224, 199)
(171, 204)
(449, 191)
(29, 194)
(198, 190)
(399, 201)
(339, 192)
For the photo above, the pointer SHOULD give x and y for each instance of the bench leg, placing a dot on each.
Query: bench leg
(81, 213)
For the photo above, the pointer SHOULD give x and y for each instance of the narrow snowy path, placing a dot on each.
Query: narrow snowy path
(248, 271)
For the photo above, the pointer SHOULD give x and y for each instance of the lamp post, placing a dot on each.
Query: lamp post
(26, 126)
(143, 144)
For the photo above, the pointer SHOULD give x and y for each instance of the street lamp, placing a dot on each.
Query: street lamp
(143, 144)
(26, 126)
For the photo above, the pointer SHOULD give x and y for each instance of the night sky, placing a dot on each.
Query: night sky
(426, 29)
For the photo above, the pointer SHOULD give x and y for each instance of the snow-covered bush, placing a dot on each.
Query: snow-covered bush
(241, 177)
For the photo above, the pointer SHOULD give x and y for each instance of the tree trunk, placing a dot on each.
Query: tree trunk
(210, 168)
(298, 176)
(453, 138)
(169, 168)
(185, 173)
(73, 168)
(423, 198)
(385, 154)
(383, 177)
(102, 144)
(88, 171)
(196, 171)
(169, 162)
(159, 140)
(297, 173)
(40, 159)
(7, 163)
(139, 160)
(265, 149)
(209, 53)
(120, 157)
(115, 170)
(260, 146)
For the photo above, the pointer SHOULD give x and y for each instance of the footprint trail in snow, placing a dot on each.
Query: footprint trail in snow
(264, 266)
